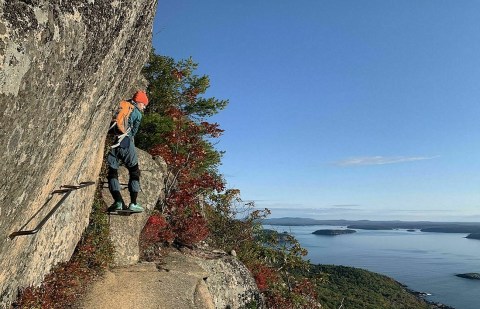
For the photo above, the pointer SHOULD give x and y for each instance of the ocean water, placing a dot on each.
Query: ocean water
(425, 262)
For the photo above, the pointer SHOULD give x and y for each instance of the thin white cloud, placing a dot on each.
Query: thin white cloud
(380, 160)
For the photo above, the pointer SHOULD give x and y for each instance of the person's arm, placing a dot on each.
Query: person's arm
(136, 119)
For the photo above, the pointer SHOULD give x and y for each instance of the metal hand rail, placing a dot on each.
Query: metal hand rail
(68, 189)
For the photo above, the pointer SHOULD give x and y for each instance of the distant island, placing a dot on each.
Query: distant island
(473, 276)
(424, 226)
(333, 232)
(272, 234)
(474, 236)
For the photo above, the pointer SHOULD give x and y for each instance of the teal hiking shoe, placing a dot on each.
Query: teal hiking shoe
(135, 207)
(115, 206)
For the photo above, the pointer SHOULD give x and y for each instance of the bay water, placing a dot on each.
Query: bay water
(425, 262)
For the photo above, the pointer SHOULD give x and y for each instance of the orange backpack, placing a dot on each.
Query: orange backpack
(120, 124)
(120, 119)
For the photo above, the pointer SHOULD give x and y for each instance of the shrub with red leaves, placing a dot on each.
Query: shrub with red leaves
(190, 229)
(156, 231)
(277, 300)
(264, 276)
(151, 231)
(301, 296)
(306, 288)
(189, 160)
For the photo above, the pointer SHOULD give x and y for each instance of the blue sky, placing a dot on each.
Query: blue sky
(341, 109)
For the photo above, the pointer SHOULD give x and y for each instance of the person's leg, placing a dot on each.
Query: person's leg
(131, 161)
(113, 183)
(134, 183)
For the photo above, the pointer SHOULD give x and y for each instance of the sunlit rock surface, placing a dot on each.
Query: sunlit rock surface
(64, 65)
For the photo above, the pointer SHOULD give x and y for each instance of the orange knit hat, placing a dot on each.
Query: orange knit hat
(140, 97)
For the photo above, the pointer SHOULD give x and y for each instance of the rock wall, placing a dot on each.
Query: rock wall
(125, 229)
(64, 65)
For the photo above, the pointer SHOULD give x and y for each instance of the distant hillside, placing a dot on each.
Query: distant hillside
(454, 228)
(424, 226)
(289, 221)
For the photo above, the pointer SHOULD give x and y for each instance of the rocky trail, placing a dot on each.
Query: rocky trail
(177, 283)
(180, 281)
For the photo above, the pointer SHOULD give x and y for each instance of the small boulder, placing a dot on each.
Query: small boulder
(473, 276)
(230, 283)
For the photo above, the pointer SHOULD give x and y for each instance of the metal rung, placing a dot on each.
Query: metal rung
(67, 192)
(69, 187)
(61, 191)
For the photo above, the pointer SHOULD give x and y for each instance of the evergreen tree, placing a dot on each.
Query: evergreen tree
(174, 127)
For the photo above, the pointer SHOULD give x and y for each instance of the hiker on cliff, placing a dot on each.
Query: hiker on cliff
(125, 126)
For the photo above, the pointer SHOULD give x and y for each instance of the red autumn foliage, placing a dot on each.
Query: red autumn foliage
(306, 288)
(279, 301)
(301, 296)
(58, 290)
(264, 276)
(191, 94)
(186, 154)
(156, 229)
(190, 229)
(184, 149)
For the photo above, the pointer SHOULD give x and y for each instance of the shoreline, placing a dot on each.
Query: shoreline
(348, 281)
(422, 295)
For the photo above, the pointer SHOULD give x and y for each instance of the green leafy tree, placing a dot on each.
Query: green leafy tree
(177, 106)
(174, 127)
(174, 84)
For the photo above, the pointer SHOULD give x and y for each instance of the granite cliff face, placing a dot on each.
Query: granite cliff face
(64, 65)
